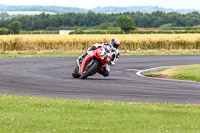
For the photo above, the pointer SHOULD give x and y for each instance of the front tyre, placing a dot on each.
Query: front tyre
(75, 73)
(91, 70)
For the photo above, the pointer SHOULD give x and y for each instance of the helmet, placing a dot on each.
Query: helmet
(114, 43)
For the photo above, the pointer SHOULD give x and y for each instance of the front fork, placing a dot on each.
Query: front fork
(78, 65)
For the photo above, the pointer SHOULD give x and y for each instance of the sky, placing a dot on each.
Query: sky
(175, 4)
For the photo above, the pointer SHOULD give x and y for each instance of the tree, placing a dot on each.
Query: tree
(4, 15)
(188, 24)
(126, 23)
(3, 31)
(15, 27)
(79, 31)
(105, 26)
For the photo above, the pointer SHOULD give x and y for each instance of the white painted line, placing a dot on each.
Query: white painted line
(132, 70)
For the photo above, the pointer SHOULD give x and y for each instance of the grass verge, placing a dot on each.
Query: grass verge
(190, 72)
(38, 54)
(42, 115)
(78, 53)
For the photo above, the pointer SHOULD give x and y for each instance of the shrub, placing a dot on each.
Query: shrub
(4, 31)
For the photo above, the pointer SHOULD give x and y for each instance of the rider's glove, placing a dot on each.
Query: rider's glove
(104, 57)
(112, 63)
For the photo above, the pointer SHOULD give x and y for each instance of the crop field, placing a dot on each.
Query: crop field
(27, 12)
(82, 42)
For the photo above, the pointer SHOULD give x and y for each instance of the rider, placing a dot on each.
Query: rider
(114, 44)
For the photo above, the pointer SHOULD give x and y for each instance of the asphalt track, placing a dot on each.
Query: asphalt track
(51, 77)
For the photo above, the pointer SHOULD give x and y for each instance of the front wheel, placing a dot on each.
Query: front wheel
(75, 73)
(91, 70)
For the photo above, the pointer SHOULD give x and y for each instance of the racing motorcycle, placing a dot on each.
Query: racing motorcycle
(92, 63)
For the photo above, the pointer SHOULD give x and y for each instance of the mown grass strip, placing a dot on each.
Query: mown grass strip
(78, 53)
(38, 54)
(41, 115)
(190, 72)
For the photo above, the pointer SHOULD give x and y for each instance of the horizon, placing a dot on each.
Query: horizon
(89, 4)
(105, 6)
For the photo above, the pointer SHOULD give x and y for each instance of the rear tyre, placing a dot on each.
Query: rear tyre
(91, 70)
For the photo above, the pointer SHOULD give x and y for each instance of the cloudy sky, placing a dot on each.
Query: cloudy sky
(176, 4)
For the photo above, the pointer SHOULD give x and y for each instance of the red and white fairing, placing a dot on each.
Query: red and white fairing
(104, 54)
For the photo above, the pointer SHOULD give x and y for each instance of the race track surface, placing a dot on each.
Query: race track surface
(51, 77)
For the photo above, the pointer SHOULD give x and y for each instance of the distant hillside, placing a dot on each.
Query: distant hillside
(55, 9)
(110, 9)
(143, 9)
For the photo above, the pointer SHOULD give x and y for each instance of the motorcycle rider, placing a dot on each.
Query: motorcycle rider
(114, 45)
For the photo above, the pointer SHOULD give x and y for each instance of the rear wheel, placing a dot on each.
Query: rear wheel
(91, 70)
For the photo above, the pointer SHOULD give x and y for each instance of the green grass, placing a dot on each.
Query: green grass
(46, 115)
(190, 72)
(162, 52)
(78, 53)
(38, 54)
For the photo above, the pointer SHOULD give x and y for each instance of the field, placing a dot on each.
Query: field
(31, 114)
(26, 12)
(80, 43)
(41, 115)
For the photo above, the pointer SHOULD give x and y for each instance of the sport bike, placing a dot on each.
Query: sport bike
(92, 63)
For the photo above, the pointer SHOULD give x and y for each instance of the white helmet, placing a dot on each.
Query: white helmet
(115, 43)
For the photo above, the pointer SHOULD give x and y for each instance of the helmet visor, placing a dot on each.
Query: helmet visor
(116, 46)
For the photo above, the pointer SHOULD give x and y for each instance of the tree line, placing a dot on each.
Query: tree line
(90, 19)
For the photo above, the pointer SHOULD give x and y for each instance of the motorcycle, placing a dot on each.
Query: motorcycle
(92, 63)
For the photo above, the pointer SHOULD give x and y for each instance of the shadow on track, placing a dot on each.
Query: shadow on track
(96, 79)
